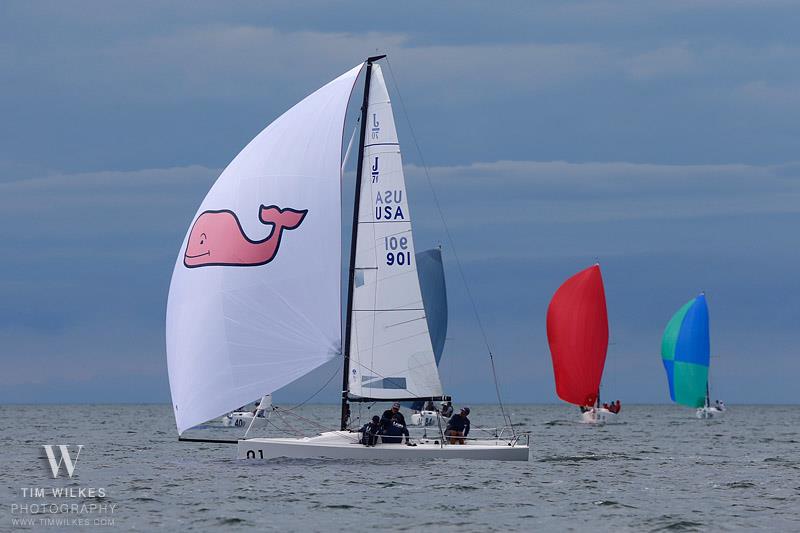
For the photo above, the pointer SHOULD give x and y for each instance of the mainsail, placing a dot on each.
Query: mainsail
(390, 352)
(254, 301)
(685, 352)
(577, 330)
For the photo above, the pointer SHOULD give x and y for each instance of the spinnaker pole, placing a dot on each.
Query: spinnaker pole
(352, 270)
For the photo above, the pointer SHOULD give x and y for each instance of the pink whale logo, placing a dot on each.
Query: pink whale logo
(217, 238)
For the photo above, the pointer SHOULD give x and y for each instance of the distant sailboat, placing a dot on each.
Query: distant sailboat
(577, 331)
(686, 353)
(248, 417)
(255, 297)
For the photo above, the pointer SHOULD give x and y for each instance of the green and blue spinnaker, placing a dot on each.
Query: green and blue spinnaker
(685, 352)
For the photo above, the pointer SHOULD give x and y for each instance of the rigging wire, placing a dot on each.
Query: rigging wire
(506, 419)
(335, 373)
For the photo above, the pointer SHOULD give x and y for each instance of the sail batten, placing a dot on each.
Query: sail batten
(251, 306)
(577, 332)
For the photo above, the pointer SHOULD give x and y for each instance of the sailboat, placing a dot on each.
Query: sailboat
(577, 332)
(255, 417)
(255, 296)
(686, 354)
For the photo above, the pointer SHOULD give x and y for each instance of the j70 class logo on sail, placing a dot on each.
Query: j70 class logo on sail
(64, 458)
(217, 238)
(376, 127)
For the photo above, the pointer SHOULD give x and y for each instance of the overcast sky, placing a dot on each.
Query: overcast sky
(661, 137)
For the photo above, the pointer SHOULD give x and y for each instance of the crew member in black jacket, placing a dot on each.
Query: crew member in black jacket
(458, 426)
(369, 432)
(393, 426)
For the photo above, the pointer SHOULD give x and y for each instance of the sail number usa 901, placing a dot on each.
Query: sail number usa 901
(397, 252)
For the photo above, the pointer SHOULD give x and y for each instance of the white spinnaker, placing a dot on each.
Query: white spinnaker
(235, 333)
(390, 348)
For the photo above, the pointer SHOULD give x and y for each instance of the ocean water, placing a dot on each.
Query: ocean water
(659, 469)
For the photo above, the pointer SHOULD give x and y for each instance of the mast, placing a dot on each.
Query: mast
(352, 269)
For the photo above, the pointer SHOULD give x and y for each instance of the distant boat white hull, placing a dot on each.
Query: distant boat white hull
(242, 419)
(709, 412)
(428, 418)
(598, 416)
(345, 445)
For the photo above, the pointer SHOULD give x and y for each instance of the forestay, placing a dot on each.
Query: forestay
(391, 356)
(254, 301)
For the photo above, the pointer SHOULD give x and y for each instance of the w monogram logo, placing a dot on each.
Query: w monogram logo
(65, 458)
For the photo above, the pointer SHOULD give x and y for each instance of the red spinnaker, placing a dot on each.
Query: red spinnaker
(577, 330)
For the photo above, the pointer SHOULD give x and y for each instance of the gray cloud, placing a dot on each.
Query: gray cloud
(85, 289)
(499, 83)
(529, 193)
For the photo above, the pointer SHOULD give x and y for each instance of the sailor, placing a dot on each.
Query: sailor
(447, 409)
(429, 405)
(458, 426)
(617, 406)
(258, 412)
(393, 426)
(369, 431)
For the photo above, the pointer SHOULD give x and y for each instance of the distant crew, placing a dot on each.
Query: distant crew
(613, 407)
(447, 409)
(257, 411)
(458, 427)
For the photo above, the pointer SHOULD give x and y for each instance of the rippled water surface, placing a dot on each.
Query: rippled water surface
(659, 469)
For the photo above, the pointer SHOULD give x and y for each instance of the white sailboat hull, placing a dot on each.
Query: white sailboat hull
(598, 416)
(428, 418)
(344, 445)
(242, 419)
(708, 412)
